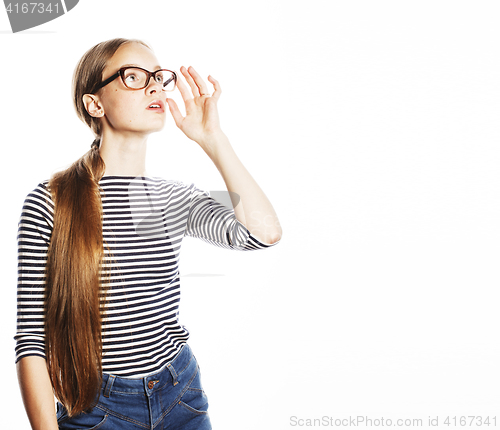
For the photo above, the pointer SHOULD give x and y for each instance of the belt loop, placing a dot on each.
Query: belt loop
(173, 373)
(109, 385)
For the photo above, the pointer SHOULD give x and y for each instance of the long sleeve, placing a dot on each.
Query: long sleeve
(144, 221)
(35, 229)
(216, 224)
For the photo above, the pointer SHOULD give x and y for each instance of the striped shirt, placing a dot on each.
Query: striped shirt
(144, 222)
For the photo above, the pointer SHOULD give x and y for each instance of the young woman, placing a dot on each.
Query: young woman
(99, 246)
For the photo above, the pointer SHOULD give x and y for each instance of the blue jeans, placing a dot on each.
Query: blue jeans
(170, 399)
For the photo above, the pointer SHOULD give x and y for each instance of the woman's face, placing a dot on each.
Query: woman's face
(128, 111)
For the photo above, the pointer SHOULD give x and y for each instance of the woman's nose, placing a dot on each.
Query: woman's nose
(154, 86)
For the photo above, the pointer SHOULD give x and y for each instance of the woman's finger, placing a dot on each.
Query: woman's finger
(189, 79)
(217, 88)
(176, 113)
(198, 80)
(183, 89)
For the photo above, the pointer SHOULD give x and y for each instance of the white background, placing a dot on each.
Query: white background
(372, 126)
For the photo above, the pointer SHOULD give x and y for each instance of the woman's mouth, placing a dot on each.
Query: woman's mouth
(156, 106)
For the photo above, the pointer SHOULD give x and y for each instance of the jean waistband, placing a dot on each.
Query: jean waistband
(168, 374)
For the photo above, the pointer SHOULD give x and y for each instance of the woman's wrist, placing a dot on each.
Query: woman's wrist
(214, 144)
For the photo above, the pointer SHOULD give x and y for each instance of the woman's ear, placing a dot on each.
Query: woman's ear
(93, 106)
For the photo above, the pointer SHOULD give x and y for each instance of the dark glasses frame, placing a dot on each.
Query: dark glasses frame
(150, 74)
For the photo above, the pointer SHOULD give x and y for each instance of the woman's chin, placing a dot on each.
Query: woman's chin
(157, 129)
(156, 126)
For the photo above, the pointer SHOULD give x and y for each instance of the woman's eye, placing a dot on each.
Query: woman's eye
(159, 78)
(131, 78)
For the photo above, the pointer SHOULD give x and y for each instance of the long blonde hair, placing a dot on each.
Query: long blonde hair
(73, 321)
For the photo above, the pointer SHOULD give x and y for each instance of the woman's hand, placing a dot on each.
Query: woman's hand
(201, 122)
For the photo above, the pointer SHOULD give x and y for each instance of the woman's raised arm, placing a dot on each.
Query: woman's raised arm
(201, 124)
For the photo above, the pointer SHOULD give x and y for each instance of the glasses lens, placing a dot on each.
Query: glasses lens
(167, 79)
(135, 78)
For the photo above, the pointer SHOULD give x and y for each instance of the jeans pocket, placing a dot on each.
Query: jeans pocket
(93, 420)
(195, 401)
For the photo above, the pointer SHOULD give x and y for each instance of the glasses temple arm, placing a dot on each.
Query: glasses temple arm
(106, 82)
(170, 80)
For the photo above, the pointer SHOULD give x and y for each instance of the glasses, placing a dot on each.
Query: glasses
(137, 78)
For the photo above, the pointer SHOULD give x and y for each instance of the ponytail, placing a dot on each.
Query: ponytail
(72, 313)
(73, 342)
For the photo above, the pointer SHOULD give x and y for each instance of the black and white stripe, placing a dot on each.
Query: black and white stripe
(145, 220)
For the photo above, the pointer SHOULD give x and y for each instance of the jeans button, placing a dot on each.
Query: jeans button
(151, 384)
